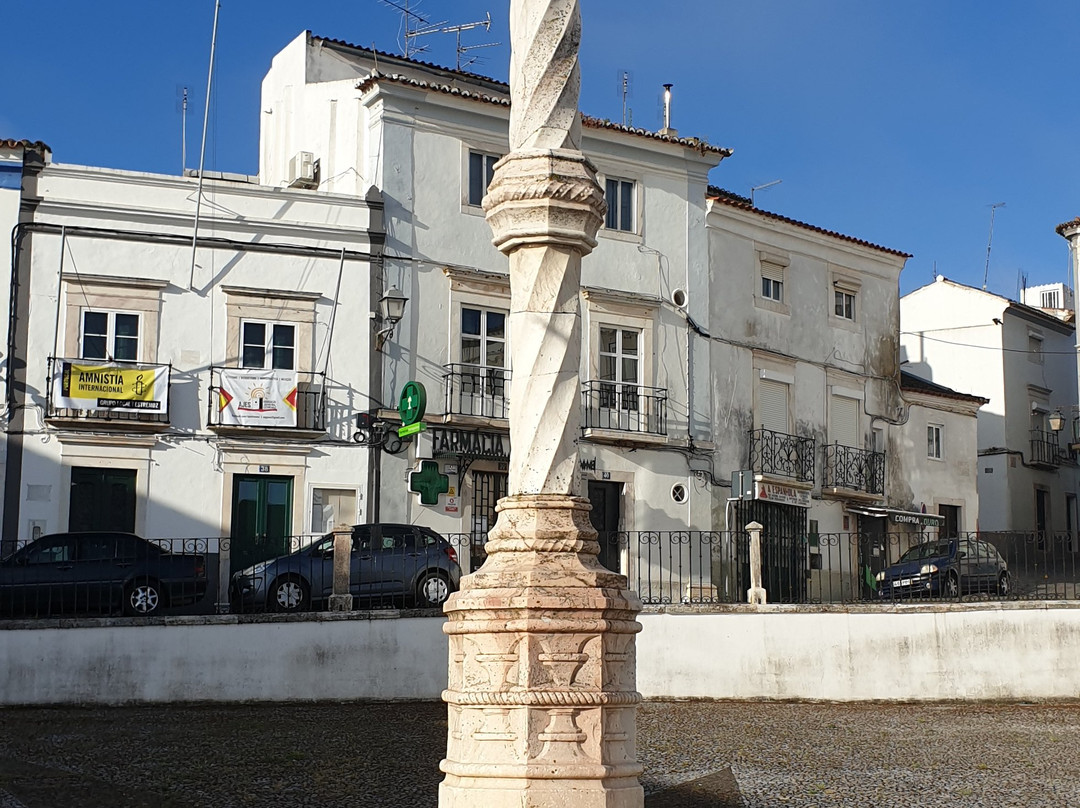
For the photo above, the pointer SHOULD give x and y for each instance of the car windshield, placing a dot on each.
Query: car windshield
(929, 550)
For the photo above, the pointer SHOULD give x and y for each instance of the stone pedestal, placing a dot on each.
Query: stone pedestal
(340, 599)
(542, 692)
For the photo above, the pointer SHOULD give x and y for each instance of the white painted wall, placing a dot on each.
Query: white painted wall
(971, 652)
(977, 342)
(182, 490)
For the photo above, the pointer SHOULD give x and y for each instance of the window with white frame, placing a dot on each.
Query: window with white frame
(481, 171)
(772, 406)
(109, 335)
(267, 345)
(772, 281)
(619, 364)
(844, 304)
(935, 441)
(483, 351)
(1050, 300)
(619, 194)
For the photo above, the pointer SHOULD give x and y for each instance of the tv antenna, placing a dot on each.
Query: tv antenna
(626, 81)
(415, 24)
(461, 49)
(761, 188)
(990, 241)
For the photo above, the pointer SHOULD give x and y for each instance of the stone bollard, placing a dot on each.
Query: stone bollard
(341, 600)
(756, 593)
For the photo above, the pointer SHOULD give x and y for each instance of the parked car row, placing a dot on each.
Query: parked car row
(109, 572)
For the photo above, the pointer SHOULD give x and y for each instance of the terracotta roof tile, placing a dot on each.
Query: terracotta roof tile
(12, 143)
(499, 95)
(914, 384)
(742, 203)
(1061, 228)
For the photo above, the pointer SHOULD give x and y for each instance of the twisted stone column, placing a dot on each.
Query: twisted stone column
(542, 694)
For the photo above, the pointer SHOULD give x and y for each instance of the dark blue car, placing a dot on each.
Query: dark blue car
(947, 568)
(389, 564)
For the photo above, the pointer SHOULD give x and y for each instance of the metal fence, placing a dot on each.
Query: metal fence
(109, 574)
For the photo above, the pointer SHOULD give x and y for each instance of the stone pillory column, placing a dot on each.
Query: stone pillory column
(542, 694)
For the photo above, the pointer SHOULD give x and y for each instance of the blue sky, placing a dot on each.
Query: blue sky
(899, 123)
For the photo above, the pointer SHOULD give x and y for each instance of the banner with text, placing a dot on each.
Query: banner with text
(249, 397)
(111, 387)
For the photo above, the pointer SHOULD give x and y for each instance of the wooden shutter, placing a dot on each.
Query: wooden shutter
(773, 405)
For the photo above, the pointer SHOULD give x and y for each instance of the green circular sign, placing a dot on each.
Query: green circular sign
(413, 403)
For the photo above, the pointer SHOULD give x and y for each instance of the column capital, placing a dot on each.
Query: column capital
(545, 197)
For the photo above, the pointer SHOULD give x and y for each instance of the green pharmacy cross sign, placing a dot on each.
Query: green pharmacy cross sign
(411, 407)
(428, 482)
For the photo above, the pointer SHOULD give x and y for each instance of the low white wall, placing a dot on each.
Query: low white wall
(1014, 651)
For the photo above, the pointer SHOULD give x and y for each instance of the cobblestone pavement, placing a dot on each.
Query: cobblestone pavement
(387, 755)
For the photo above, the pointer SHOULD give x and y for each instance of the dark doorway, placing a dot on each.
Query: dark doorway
(261, 519)
(606, 499)
(488, 487)
(102, 499)
(951, 526)
(873, 554)
(783, 549)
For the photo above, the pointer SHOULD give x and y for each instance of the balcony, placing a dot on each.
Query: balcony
(117, 395)
(779, 455)
(624, 407)
(477, 391)
(854, 469)
(251, 400)
(1047, 451)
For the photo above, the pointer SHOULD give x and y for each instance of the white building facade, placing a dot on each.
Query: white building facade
(188, 396)
(428, 138)
(1022, 359)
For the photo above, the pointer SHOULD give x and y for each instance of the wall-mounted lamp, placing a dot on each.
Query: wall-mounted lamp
(391, 310)
(1056, 421)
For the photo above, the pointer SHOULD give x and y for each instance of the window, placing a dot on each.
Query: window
(844, 422)
(109, 335)
(934, 442)
(773, 406)
(483, 347)
(620, 205)
(844, 304)
(1050, 300)
(619, 367)
(1035, 348)
(271, 346)
(332, 508)
(772, 282)
(481, 170)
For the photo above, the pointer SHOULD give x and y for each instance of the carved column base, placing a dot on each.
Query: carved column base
(542, 693)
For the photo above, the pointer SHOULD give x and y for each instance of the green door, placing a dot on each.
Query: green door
(102, 499)
(261, 519)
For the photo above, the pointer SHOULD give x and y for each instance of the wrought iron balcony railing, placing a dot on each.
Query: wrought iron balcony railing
(253, 399)
(476, 390)
(624, 407)
(1046, 450)
(856, 469)
(782, 455)
(98, 391)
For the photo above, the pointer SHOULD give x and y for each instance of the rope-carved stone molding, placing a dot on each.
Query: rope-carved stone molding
(543, 698)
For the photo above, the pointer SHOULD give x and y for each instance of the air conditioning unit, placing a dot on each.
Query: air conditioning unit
(304, 171)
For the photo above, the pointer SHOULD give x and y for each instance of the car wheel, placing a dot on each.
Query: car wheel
(142, 598)
(288, 595)
(1004, 586)
(951, 587)
(433, 589)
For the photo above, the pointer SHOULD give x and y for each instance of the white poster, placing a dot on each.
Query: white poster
(252, 397)
(103, 386)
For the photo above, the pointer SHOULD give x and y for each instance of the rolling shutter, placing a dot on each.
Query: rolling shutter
(844, 424)
(773, 405)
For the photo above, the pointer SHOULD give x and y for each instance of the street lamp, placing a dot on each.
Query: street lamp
(1056, 421)
(391, 310)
